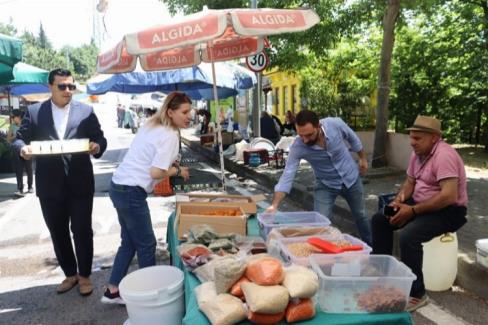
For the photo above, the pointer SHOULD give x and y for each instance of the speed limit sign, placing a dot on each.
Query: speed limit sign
(257, 62)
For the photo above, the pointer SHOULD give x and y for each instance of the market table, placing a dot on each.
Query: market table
(194, 316)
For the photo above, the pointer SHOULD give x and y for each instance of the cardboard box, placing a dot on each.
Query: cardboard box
(189, 214)
(227, 138)
(247, 203)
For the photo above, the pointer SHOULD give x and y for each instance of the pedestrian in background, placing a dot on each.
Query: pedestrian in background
(289, 128)
(322, 144)
(20, 164)
(152, 156)
(120, 115)
(269, 130)
(206, 116)
(65, 183)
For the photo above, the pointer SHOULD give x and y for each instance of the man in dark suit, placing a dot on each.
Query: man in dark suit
(65, 183)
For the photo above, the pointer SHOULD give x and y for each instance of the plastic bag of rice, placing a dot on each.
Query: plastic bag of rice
(265, 299)
(226, 272)
(205, 272)
(205, 292)
(224, 309)
(300, 281)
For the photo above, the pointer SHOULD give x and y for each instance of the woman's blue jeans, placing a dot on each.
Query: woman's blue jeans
(137, 235)
(324, 199)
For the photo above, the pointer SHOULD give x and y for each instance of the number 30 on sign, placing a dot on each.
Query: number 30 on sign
(257, 62)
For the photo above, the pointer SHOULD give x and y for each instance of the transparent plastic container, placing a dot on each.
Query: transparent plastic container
(268, 221)
(288, 257)
(360, 283)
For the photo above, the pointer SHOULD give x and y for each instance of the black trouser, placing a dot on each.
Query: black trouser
(58, 213)
(19, 165)
(418, 230)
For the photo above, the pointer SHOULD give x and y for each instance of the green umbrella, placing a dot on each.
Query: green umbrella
(24, 73)
(10, 54)
(27, 74)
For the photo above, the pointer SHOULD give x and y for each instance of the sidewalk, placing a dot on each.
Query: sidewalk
(376, 182)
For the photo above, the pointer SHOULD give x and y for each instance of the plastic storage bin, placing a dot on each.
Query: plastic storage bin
(268, 221)
(289, 257)
(359, 283)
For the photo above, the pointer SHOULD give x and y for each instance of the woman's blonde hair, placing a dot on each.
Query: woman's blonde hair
(172, 101)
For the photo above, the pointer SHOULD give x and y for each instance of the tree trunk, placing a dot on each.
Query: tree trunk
(389, 20)
(484, 6)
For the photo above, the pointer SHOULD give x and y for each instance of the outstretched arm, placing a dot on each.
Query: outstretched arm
(277, 198)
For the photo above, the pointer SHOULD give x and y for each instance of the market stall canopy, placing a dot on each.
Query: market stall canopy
(28, 74)
(208, 36)
(10, 54)
(195, 81)
(25, 89)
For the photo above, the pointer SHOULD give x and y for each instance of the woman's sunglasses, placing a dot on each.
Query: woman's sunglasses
(63, 87)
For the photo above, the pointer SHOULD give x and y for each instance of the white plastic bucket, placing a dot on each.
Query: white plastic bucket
(154, 295)
(440, 262)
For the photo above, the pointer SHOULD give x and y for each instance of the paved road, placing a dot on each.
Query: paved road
(29, 273)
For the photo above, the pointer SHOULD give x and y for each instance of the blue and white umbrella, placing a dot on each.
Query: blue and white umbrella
(195, 81)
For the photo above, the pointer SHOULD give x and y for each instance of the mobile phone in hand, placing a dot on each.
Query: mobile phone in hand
(389, 211)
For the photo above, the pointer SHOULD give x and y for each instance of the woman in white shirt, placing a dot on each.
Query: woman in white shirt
(151, 157)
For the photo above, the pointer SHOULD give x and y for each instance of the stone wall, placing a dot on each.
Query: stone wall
(398, 148)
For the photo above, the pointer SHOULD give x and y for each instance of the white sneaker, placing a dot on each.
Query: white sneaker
(112, 298)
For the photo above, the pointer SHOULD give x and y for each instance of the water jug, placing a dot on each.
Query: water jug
(440, 262)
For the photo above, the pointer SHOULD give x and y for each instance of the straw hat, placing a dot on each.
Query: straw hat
(426, 124)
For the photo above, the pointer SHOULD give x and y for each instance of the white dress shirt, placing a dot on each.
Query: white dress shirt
(60, 117)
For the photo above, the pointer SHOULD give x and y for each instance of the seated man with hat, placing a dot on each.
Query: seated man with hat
(431, 202)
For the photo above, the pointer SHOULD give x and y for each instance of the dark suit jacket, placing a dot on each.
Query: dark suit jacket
(62, 175)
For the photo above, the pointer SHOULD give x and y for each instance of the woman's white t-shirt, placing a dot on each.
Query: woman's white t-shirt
(153, 146)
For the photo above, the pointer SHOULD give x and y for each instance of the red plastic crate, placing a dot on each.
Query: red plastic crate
(163, 188)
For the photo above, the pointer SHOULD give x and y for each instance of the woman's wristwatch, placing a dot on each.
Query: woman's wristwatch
(178, 170)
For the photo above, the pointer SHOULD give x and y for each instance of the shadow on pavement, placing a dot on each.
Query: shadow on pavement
(42, 305)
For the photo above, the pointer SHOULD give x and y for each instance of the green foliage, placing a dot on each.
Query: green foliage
(440, 70)
(38, 51)
(42, 39)
(343, 83)
(287, 49)
(8, 29)
(192, 6)
(83, 60)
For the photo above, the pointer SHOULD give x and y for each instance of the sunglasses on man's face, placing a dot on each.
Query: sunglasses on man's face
(63, 87)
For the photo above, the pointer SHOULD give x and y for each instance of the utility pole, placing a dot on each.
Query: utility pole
(256, 102)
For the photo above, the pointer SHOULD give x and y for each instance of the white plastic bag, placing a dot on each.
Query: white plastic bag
(205, 292)
(300, 281)
(225, 309)
(265, 299)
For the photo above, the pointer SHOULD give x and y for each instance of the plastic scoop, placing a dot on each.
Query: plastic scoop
(331, 248)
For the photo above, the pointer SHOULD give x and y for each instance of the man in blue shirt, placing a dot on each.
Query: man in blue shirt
(322, 144)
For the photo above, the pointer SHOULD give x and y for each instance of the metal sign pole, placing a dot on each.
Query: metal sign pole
(256, 103)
